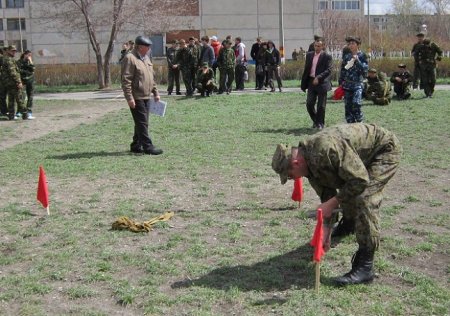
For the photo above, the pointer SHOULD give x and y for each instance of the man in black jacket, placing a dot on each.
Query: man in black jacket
(316, 79)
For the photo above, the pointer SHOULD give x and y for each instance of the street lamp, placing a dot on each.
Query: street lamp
(281, 31)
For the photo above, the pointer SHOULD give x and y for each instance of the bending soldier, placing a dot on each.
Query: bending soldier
(378, 87)
(401, 80)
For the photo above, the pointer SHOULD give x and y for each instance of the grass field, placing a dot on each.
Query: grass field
(237, 244)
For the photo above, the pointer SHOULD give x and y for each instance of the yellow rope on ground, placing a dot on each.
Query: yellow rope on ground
(125, 223)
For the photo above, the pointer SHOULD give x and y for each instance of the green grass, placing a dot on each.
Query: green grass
(237, 243)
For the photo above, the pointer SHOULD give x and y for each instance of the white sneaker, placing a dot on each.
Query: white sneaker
(30, 116)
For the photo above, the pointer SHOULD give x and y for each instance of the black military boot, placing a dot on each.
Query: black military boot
(362, 269)
(344, 228)
(153, 151)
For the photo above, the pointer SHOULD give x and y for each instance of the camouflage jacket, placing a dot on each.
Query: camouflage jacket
(203, 78)
(26, 69)
(428, 54)
(352, 78)
(195, 56)
(405, 75)
(183, 58)
(337, 158)
(378, 84)
(170, 56)
(10, 71)
(226, 59)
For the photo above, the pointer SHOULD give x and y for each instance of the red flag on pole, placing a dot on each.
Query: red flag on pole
(317, 240)
(42, 191)
(297, 194)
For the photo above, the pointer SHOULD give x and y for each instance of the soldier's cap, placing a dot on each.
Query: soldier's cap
(191, 38)
(142, 40)
(317, 37)
(372, 70)
(349, 39)
(420, 34)
(281, 161)
(205, 64)
(401, 66)
(11, 47)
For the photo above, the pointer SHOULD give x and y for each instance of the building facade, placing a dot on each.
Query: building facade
(21, 25)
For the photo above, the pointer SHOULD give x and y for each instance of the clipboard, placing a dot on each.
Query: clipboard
(158, 108)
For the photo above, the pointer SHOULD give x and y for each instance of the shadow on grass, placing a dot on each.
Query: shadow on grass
(292, 131)
(275, 274)
(91, 155)
(233, 209)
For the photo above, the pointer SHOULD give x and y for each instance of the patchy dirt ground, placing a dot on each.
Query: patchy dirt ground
(54, 118)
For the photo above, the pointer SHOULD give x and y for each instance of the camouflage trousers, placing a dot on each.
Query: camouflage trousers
(428, 78)
(3, 104)
(15, 96)
(28, 92)
(364, 209)
(187, 79)
(353, 103)
(226, 79)
(207, 86)
(173, 77)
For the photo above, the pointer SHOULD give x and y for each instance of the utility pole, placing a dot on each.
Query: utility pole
(370, 34)
(281, 31)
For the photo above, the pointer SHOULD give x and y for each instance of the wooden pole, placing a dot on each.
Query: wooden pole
(317, 276)
(48, 210)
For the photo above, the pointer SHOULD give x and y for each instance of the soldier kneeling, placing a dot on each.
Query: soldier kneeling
(378, 87)
(205, 80)
(402, 81)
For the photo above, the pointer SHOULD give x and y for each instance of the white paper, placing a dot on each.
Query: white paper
(158, 108)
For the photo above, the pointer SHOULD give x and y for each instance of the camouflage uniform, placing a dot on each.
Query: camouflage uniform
(351, 81)
(357, 160)
(379, 89)
(11, 79)
(402, 88)
(193, 62)
(173, 74)
(3, 91)
(183, 59)
(27, 75)
(226, 61)
(428, 54)
(205, 81)
(415, 54)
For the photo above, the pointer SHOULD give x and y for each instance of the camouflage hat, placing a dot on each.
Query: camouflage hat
(401, 66)
(11, 47)
(281, 161)
(205, 64)
(372, 70)
(420, 34)
(349, 39)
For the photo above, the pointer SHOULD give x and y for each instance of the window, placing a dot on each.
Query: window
(323, 5)
(1, 24)
(13, 24)
(345, 5)
(15, 3)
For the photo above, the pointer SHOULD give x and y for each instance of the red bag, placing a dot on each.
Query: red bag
(338, 93)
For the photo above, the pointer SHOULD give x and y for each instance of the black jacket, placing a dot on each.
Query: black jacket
(324, 68)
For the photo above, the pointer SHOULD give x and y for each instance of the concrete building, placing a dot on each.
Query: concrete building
(22, 26)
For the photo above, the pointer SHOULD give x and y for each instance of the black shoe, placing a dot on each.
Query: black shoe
(153, 151)
(202, 94)
(345, 227)
(178, 93)
(207, 94)
(362, 269)
(136, 150)
(169, 93)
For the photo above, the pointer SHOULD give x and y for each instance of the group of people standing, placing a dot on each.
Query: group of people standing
(197, 62)
(16, 81)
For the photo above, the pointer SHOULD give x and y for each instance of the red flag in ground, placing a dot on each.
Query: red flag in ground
(297, 194)
(42, 191)
(317, 240)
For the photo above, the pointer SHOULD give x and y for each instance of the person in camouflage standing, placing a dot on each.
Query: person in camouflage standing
(415, 53)
(194, 49)
(173, 73)
(226, 62)
(378, 87)
(26, 68)
(353, 70)
(428, 53)
(205, 80)
(3, 105)
(347, 166)
(401, 79)
(13, 83)
(183, 62)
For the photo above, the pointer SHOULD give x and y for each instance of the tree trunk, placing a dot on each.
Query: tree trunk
(101, 79)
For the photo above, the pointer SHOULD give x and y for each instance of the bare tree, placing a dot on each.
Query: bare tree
(98, 17)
